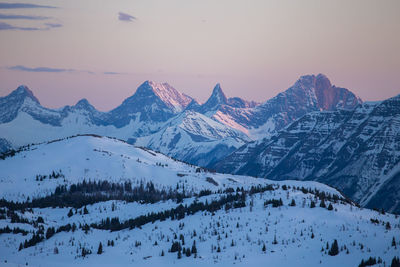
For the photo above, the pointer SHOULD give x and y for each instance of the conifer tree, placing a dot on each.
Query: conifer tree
(322, 204)
(100, 249)
(334, 249)
(70, 213)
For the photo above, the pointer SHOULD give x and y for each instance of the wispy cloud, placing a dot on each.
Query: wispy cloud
(22, 5)
(8, 16)
(57, 70)
(112, 73)
(6, 26)
(39, 69)
(126, 17)
(53, 25)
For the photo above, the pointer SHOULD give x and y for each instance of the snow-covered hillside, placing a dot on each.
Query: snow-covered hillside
(146, 209)
(194, 138)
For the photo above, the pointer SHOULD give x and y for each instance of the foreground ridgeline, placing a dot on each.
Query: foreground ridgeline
(97, 201)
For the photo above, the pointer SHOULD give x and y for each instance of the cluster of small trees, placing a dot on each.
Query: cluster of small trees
(90, 192)
(369, 262)
(15, 230)
(52, 175)
(230, 201)
(275, 202)
(176, 246)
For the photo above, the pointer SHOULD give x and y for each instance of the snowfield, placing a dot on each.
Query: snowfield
(245, 232)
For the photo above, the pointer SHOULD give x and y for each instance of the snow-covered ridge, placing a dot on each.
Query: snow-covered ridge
(300, 230)
(101, 158)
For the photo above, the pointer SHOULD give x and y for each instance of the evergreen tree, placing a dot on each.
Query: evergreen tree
(275, 241)
(85, 211)
(330, 207)
(179, 254)
(100, 249)
(334, 249)
(188, 253)
(394, 242)
(322, 204)
(50, 232)
(293, 203)
(395, 262)
(264, 248)
(70, 213)
(194, 248)
(312, 205)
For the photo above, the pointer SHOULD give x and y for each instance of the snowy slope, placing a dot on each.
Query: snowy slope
(226, 236)
(194, 138)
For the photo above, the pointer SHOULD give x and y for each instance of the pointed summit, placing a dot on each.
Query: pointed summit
(171, 97)
(216, 99)
(218, 94)
(22, 92)
(156, 102)
(84, 104)
(17, 99)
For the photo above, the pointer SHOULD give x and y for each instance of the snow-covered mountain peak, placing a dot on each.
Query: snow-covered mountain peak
(218, 94)
(317, 91)
(21, 93)
(216, 99)
(84, 104)
(167, 94)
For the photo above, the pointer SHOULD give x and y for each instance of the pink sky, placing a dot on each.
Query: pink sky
(255, 49)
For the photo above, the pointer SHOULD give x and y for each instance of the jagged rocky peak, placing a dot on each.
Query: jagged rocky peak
(216, 99)
(22, 92)
(319, 90)
(166, 93)
(218, 94)
(84, 104)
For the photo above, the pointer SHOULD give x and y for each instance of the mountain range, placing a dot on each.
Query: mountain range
(161, 118)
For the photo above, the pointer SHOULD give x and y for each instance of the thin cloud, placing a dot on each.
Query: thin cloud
(53, 25)
(112, 73)
(57, 70)
(6, 26)
(7, 16)
(126, 17)
(22, 5)
(39, 69)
